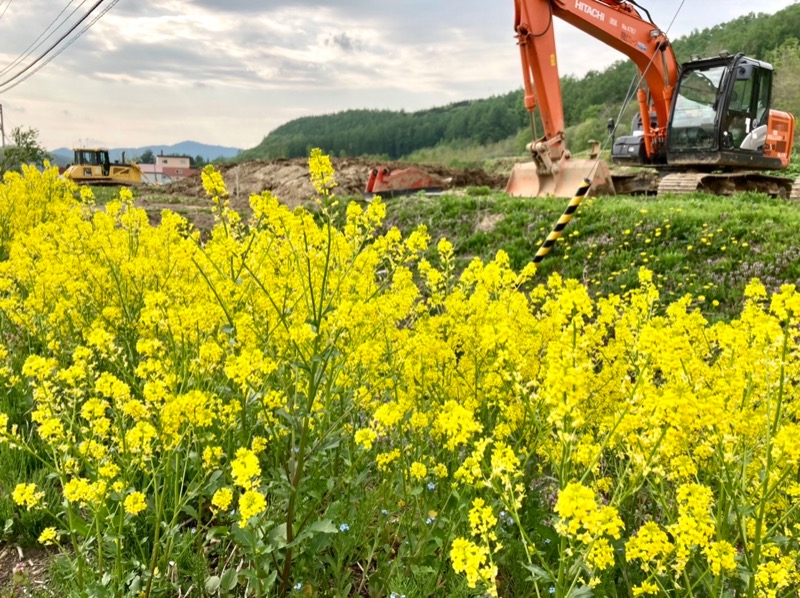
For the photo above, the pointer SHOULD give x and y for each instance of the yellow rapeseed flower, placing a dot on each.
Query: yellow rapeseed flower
(251, 503)
(26, 495)
(48, 536)
(245, 469)
(222, 499)
(135, 503)
(365, 437)
(418, 470)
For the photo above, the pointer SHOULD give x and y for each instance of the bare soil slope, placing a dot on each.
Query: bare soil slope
(289, 181)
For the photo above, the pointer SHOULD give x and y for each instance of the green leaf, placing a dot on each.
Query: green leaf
(251, 577)
(136, 584)
(418, 570)
(212, 584)
(330, 444)
(243, 536)
(324, 526)
(277, 536)
(229, 580)
(538, 574)
(582, 592)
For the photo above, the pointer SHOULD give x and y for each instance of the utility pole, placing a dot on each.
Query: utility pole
(2, 127)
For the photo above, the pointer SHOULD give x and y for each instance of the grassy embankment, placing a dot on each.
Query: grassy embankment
(708, 246)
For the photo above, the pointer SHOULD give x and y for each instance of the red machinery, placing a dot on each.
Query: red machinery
(390, 183)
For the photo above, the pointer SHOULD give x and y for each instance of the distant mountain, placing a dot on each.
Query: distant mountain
(185, 148)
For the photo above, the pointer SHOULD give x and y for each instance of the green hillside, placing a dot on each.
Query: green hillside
(589, 102)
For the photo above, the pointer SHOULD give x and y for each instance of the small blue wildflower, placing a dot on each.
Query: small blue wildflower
(430, 520)
(384, 512)
(552, 590)
(547, 540)
(344, 527)
(298, 586)
(431, 486)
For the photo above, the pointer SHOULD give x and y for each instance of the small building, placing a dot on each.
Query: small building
(175, 167)
(167, 169)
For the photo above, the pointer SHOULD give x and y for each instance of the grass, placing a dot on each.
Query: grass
(706, 246)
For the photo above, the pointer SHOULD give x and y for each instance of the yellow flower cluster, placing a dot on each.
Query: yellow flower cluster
(245, 469)
(27, 496)
(152, 356)
(474, 559)
(222, 499)
(251, 503)
(135, 503)
(582, 518)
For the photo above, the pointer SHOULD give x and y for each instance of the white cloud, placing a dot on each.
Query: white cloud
(228, 72)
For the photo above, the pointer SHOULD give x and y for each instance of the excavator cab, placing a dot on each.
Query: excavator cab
(721, 119)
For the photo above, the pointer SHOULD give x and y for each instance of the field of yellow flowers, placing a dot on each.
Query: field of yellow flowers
(295, 408)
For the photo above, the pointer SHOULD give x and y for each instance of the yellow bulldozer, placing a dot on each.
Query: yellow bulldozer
(92, 166)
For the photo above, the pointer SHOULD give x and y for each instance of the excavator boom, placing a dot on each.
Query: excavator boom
(616, 23)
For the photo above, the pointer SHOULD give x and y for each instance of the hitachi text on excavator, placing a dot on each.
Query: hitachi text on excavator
(707, 124)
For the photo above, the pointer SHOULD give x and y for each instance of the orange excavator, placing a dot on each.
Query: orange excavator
(706, 124)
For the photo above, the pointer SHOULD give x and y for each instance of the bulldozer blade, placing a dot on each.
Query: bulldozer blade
(525, 181)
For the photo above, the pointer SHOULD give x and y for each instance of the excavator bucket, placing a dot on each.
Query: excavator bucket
(525, 181)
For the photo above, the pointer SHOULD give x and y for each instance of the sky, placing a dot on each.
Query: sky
(226, 72)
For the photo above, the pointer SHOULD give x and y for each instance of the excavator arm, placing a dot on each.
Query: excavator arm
(616, 23)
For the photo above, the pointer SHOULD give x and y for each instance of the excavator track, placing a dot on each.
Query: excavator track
(795, 192)
(726, 183)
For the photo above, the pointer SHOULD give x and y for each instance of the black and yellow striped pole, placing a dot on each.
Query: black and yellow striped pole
(563, 221)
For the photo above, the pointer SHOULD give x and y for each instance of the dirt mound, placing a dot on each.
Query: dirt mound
(289, 179)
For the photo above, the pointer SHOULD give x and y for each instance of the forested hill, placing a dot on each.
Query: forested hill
(588, 101)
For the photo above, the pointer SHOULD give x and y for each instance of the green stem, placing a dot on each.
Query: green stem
(74, 540)
(772, 427)
(159, 500)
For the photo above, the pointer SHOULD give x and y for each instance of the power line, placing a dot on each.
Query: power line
(33, 45)
(6, 8)
(7, 84)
